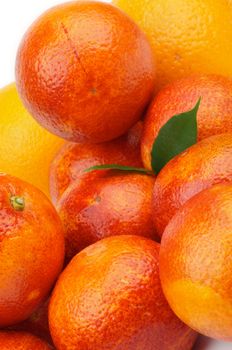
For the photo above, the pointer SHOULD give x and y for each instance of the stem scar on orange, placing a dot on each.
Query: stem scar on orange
(32, 249)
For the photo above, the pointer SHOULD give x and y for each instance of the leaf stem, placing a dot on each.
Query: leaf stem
(119, 167)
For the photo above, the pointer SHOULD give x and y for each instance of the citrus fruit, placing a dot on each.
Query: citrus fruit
(106, 203)
(214, 115)
(21, 341)
(37, 323)
(109, 297)
(195, 262)
(26, 148)
(85, 71)
(186, 36)
(207, 163)
(73, 158)
(32, 249)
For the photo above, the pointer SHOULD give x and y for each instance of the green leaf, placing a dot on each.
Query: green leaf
(119, 167)
(178, 134)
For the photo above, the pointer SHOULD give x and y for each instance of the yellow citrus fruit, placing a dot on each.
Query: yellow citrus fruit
(26, 148)
(187, 36)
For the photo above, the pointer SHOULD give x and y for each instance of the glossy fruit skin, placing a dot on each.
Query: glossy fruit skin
(85, 71)
(203, 165)
(103, 204)
(214, 115)
(195, 262)
(109, 297)
(26, 148)
(21, 341)
(32, 250)
(187, 37)
(74, 158)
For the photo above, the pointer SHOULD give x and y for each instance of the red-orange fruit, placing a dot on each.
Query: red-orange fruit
(74, 158)
(214, 115)
(207, 163)
(106, 203)
(37, 323)
(32, 249)
(196, 262)
(21, 341)
(85, 71)
(109, 297)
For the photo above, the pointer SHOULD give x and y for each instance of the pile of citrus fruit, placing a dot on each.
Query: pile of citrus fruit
(116, 207)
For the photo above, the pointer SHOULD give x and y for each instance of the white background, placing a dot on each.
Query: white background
(15, 17)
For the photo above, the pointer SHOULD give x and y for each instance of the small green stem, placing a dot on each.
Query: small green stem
(18, 203)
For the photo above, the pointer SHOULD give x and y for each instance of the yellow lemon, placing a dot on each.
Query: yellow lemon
(26, 149)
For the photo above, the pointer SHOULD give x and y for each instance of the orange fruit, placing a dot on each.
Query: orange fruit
(21, 341)
(37, 323)
(196, 264)
(109, 297)
(74, 158)
(26, 148)
(186, 36)
(85, 71)
(207, 163)
(106, 203)
(214, 115)
(32, 249)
